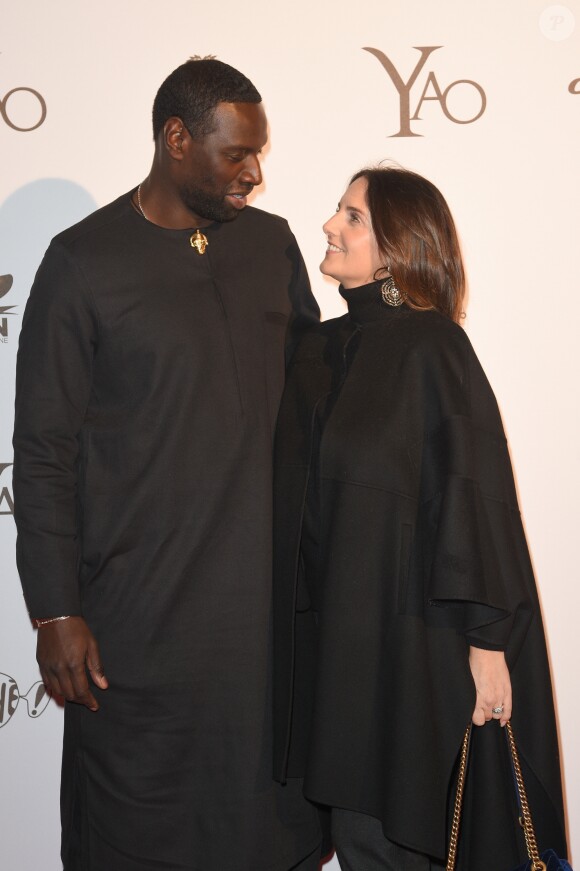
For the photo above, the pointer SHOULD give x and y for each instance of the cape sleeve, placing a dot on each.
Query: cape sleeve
(479, 565)
(53, 384)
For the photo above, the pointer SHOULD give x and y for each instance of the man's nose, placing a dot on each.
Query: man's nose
(252, 172)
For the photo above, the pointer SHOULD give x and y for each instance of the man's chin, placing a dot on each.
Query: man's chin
(224, 215)
(231, 215)
(215, 209)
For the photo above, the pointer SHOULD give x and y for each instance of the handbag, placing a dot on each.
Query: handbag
(548, 861)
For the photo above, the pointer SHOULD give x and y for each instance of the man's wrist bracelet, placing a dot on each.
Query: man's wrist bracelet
(51, 620)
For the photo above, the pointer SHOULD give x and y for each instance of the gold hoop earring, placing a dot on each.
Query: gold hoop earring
(391, 293)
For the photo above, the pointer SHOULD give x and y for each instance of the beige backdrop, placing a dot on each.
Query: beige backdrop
(509, 71)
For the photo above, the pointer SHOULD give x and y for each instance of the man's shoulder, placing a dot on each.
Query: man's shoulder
(95, 223)
(254, 218)
(257, 231)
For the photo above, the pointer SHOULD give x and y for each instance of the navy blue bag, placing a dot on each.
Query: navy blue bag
(548, 861)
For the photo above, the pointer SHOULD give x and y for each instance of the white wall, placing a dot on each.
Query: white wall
(511, 179)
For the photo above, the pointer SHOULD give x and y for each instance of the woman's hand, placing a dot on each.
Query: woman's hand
(492, 684)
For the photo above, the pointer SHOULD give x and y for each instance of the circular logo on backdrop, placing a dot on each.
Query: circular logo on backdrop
(23, 109)
(557, 23)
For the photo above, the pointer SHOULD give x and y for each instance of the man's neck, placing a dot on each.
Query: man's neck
(160, 205)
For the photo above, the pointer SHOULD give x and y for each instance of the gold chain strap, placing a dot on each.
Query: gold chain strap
(454, 837)
(525, 819)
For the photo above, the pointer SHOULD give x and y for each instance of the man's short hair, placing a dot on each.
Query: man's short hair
(193, 90)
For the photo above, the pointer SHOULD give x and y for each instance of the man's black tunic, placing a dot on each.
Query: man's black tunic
(148, 385)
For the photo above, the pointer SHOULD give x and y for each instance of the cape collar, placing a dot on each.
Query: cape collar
(365, 303)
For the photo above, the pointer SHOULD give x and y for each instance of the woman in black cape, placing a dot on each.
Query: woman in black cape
(405, 603)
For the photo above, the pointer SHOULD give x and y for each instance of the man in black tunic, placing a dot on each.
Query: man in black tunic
(150, 369)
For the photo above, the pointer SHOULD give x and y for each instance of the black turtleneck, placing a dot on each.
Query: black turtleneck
(366, 304)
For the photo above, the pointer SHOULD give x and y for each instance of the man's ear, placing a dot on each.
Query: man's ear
(173, 133)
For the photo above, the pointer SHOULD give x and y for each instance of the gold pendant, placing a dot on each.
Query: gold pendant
(199, 242)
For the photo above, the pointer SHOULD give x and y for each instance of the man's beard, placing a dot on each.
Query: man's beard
(211, 207)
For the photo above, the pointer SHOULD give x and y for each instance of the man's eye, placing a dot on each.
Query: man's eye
(236, 158)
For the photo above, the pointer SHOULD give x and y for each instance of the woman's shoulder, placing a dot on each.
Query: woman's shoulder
(439, 353)
(446, 360)
(432, 336)
(431, 325)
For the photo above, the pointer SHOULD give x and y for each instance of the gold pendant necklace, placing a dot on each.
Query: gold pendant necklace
(198, 240)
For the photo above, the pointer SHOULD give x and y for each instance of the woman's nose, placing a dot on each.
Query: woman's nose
(328, 225)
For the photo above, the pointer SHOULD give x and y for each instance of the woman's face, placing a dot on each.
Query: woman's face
(352, 256)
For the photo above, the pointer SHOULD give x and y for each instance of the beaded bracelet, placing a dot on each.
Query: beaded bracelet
(51, 620)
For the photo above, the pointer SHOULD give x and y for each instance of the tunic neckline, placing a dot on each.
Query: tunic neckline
(182, 232)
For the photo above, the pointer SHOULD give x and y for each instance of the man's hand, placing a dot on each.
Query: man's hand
(65, 650)
(492, 684)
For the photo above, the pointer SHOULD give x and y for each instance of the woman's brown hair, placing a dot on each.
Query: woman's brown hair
(416, 236)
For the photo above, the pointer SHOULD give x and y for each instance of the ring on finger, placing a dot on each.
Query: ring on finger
(497, 710)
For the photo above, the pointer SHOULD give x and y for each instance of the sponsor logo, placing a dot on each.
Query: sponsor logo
(6, 500)
(5, 310)
(470, 92)
(36, 699)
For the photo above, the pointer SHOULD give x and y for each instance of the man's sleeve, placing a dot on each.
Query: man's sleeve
(53, 385)
(305, 310)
